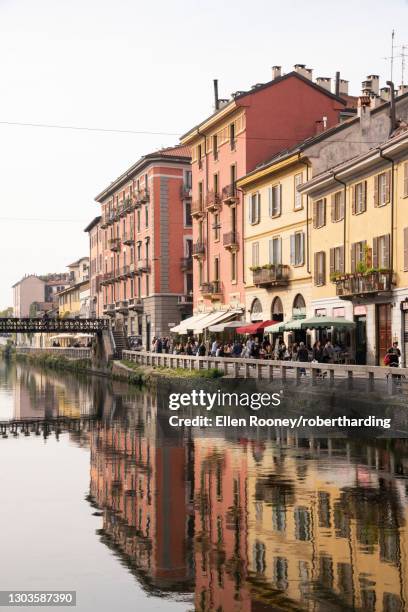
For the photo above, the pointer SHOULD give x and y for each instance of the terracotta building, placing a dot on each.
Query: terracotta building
(242, 132)
(141, 267)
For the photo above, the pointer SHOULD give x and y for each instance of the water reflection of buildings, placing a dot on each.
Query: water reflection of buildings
(283, 525)
(142, 482)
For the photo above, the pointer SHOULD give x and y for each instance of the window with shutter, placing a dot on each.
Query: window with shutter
(319, 217)
(298, 249)
(381, 252)
(275, 196)
(359, 198)
(298, 179)
(337, 206)
(255, 253)
(320, 268)
(382, 190)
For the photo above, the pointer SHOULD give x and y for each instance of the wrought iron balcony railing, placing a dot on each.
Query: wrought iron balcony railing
(231, 241)
(349, 285)
(229, 194)
(198, 249)
(212, 290)
(276, 275)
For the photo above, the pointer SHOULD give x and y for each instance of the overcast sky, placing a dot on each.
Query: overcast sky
(143, 66)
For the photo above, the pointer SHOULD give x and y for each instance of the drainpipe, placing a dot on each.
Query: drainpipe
(307, 217)
(344, 218)
(242, 232)
(389, 159)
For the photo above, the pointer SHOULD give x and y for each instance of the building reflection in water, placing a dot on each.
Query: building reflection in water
(285, 524)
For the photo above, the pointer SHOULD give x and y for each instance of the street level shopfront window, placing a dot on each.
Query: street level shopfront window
(277, 309)
(256, 310)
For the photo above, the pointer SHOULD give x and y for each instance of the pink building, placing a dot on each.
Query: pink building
(141, 247)
(242, 132)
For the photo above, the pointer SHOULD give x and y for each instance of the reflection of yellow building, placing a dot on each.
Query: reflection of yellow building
(278, 284)
(319, 531)
(359, 246)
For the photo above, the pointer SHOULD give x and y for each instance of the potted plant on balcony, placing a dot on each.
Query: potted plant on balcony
(268, 266)
(335, 276)
(361, 268)
(255, 268)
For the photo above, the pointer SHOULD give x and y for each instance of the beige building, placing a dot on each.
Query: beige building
(277, 280)
(28, 290)
(359, 246)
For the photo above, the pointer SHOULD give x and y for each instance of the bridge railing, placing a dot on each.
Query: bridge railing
(32, 325)
(71, 352)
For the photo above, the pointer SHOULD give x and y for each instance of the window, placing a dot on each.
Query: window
(188, 179)
(297, 249)
(216, 268)
(233, 266)
(277, 309)
(200, 273)
(138, 220)
(215, 183)
(381, 252)
(298, 196)
(340, 311)
(147, 285)
(215, 146)
(337, 260)
(358, 255)
(255, 253)
(382, 188)
(254, 206)
(337, 206)
(359, 195)
(232, 136)
(216, 227)
(275, 251)
(319, 213)
(199, 156)
(146, 216)
(405, 188)
(275, 200)
(187, 213)
(200, 192)
(320, 268)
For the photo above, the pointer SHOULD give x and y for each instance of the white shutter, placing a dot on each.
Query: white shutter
(292, 249)
(270, 200)
(258, 207)
(302, 248)
(279, 251)
(249, 204)
(280, 199)
(271, 251)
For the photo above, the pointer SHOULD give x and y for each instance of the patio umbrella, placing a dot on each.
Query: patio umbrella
(255, 328)
(326, 322)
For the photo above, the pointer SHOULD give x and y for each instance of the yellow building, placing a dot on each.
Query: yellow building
(276, 225)
(359, 247)
(69, 300)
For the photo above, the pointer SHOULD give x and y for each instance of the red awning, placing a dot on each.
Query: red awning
(255, 328)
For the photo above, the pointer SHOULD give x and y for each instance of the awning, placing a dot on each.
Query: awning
(188, 324)
(220, 327)
(215, 317)
(255, 328)
(326, 322)
(291, 325)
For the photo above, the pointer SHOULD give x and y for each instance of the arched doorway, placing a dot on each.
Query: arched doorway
(298, 312)
(299, 306)
(256, 311)
(277, 309)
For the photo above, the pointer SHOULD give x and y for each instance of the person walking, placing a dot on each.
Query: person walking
(303, 356)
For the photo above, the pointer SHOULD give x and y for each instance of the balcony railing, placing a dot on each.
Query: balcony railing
(184, 300)
(231, 241)
(368, 283)
(277, 275)
(142, 195)
(198, 249)
(129, 238)
(122, 306)
(185, 192)
(212, 290)
(186, 263)
(229, 194)
(197, 208)
(107, 278)
(143, 265)
(135, 304)
(212, 201)
(114, 244)
(109, 309)
(123, 272)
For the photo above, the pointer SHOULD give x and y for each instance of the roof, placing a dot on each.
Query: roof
(25, 278)
(78, 261)
(261, 87)
(73, 287)
(92, 224)
(178, 153)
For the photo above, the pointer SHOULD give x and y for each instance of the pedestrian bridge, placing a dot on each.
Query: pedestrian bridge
(33, 325)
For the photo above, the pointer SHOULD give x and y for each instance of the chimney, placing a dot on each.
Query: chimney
(301, 69)
(216, 99)
(375, 82)
(402, 89)
(375, 100)
(324, 82)
(363, 106)
(343, 87)
(385, 93)
(276, 72)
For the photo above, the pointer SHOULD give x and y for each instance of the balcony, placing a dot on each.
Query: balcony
(105, 221)
(114, 244)
(135, 304)
(197, 209)
(107, 278)
(122, 306)
(274, 276)
(365, 285)
(212, 201)
(132, 269)
(186, 264)
(198, 250)
(143, 265)
(229, 194)
(185, 192)
(231, 241)
(122, 273)
(212, 290)
(109, 309)
(185, 301)
(142, 196)
(129, 238)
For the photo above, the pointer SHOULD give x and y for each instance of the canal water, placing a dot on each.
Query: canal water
(99, 495)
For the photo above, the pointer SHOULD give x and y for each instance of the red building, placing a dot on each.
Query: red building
(141, 266)
(242, 132)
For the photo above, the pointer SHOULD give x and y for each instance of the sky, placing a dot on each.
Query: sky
(144, 67)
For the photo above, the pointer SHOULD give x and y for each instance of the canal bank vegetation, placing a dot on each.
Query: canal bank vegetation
(55, 362)
(163, 372)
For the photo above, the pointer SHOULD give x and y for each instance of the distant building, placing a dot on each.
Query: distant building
(26, 291)
(73, 300)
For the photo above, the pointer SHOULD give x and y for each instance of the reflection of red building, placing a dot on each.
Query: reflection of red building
(139, 483)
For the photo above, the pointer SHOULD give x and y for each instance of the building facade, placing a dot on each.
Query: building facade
(141, 266)
(243, 132)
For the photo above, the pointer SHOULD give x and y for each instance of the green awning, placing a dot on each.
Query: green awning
(326, 322)
(291, 325)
